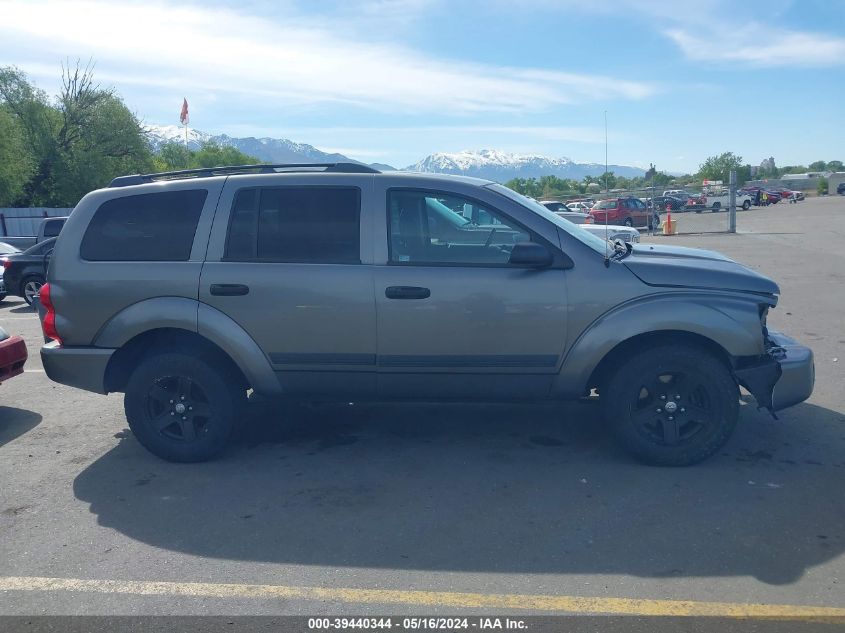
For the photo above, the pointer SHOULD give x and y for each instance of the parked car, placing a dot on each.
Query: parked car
(579, 206)
(840, 188)
(5, 249)
(24, 273)
(554, 205)
(661, 202)
(611, 232)
(47, 228)
(772, 197)
(185, 290)
(13, 355)
(627, 211)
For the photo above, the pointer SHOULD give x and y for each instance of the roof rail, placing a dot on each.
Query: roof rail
(206, 172)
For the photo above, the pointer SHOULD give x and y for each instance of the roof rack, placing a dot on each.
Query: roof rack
(206, 172)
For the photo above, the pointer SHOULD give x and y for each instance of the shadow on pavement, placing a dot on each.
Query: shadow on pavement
(505, 488)
(15, 422)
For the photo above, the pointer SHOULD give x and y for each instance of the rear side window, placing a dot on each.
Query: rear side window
(317, 225)
(53, 227)
(152, 227)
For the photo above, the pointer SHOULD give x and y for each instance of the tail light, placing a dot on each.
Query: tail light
(7, 263)
(588, 220)
(48, 325)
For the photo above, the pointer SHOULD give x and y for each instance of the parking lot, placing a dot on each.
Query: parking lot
(426, 509)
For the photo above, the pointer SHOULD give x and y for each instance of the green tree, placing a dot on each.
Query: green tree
(79, 143)
(821, 187)
(818, 165)
(607, 180)
(174, 156)
(16, 160)
(835, 165)
(719, 168)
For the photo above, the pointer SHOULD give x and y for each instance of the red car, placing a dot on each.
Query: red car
(12, 355)
(627, 211)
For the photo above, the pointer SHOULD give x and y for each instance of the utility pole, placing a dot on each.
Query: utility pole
(732, 202)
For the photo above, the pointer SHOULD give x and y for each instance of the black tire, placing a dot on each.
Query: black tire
(210, 402)
(716, 207)
(30, 284)
(2, 296)
(746, 205)
(698, 386)
(629, 222)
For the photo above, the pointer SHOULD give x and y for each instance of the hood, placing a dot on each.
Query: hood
(599, 228)
(678, 266)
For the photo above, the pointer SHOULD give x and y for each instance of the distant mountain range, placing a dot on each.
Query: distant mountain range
(501, 166)
(489, 164)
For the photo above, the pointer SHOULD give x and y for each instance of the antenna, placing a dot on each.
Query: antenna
(607, 195)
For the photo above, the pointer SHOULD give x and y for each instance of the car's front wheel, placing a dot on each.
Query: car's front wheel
(182, 408)
(746, 205)
(629, 222)
(672, 405)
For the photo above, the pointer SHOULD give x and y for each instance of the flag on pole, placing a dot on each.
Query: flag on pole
(183, 117)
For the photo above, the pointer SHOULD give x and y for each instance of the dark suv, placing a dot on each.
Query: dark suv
(338, 282)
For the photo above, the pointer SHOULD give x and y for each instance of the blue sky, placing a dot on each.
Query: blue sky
(395, 80)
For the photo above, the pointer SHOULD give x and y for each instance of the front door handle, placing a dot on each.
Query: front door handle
(406, 292)
(229, 290)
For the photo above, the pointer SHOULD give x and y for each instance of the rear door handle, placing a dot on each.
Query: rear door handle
(229, 290)
(406, 292)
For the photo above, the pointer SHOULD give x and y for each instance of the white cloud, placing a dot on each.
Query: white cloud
(760, 46)
(286, 61)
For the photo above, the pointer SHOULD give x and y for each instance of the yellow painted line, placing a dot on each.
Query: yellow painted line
(568, 604)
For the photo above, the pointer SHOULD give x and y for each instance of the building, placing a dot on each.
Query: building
(834, 180)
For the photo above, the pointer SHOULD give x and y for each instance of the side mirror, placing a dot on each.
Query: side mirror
(530, 255)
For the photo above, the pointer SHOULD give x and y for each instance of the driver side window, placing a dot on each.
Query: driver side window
(432, 228)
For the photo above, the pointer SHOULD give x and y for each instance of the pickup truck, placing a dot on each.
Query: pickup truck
(716, 200)
(49, 227)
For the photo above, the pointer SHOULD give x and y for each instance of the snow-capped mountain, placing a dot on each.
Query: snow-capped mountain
(502, 166)
(158, 135)
(486, 163)
(271, 150)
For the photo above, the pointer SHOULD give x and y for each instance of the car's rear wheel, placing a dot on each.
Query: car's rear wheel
(716, 206)
(30, 287)
(672, 405)
(182, 408)
(629, 222)
(746, 205)
(2, 296)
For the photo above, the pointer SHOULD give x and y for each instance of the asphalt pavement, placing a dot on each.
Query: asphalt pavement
(373, 509)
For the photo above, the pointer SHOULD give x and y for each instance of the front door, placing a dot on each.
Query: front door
(454, 318)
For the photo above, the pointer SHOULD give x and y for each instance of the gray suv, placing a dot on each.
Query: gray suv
(185, 290)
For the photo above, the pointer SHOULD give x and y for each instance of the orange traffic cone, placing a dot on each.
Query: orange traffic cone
(669, 219)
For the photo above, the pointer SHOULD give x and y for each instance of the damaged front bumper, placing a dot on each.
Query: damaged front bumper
(782, 378)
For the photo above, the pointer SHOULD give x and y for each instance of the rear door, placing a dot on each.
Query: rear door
(289, 261)
(638, 211)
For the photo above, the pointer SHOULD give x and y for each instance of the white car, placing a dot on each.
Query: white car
(613, 231)
(580, 207)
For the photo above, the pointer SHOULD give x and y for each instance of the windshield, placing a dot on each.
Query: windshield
(449, 215)
(597, 244)
(605, 204)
